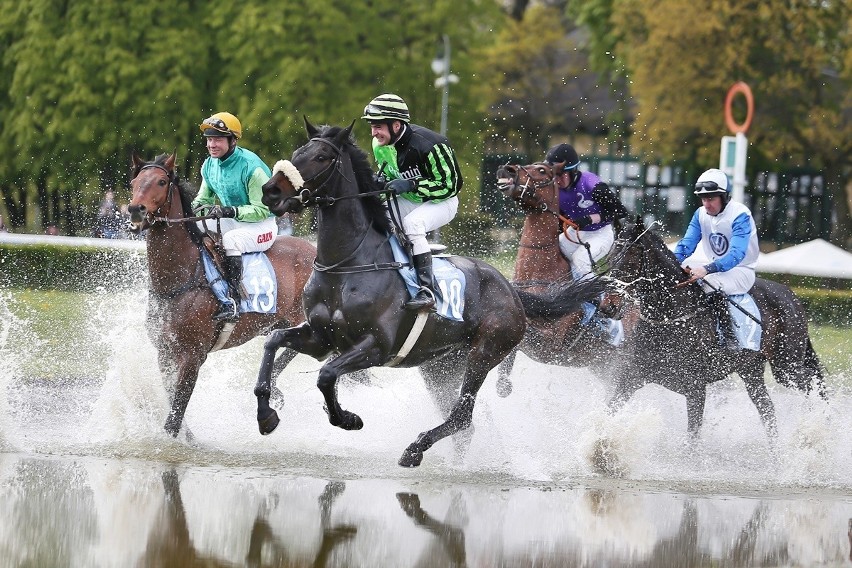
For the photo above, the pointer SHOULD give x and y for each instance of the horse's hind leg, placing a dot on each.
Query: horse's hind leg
(504, 372)
(442, 379)
(752, 375)
(494, 341)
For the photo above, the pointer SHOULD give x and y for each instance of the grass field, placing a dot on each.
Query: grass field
(53, 323)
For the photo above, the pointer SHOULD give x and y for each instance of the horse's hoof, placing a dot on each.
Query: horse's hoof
(351, 421)
(504, 388)
(172, 429)
(268, 424)
(411, 457)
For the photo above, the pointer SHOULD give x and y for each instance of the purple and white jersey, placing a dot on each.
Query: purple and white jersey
(576, 201)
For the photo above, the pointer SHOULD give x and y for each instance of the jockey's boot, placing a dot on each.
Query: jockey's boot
(229, 311)
(425, 297)
(727, 337)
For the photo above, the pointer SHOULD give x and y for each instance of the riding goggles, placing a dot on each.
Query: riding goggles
(709, 187)
(217, 124)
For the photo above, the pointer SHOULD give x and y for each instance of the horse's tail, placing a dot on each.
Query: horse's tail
(804, 373)
(561, 299)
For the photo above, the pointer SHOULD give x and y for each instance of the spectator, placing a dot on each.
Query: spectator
(51, 229)
(3, 227)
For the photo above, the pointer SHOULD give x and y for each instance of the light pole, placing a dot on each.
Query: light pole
(441, 67)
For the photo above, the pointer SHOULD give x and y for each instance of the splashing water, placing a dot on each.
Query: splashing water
(107, 399)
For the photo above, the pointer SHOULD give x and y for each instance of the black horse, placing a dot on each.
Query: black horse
(354, 298)
(675, 343)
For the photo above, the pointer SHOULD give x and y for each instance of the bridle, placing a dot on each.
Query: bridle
(160, 216)
(308, 197)
(645, 280)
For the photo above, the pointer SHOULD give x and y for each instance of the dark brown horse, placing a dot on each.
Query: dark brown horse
(354, 300)
(675, 343)
(540, 265)
(180, 301)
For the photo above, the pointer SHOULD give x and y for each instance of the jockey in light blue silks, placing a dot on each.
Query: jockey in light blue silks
(727, 234)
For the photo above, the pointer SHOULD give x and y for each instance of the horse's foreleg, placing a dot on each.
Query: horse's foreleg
(695, 410)
(281, 362)
(187, 376)
(299, 339)
(362, 355)
(504, 372)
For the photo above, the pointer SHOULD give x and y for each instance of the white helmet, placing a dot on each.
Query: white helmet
(713, 182)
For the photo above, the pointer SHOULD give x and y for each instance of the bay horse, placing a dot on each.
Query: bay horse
(675, 343)
(354, 299)
(540, 265)
(180, 301)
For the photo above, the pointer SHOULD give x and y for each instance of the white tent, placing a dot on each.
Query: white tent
(814, 258)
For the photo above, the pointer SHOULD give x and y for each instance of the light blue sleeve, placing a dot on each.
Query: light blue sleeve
(687, 245)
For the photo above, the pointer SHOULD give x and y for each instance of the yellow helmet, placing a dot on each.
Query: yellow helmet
(222, 124)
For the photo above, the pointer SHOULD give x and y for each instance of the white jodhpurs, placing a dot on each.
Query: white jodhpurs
(600, 242)
(737, 280)
(420, 218)
(239, 237)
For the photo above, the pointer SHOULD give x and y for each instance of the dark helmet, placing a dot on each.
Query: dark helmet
(563, 153)
(713, 182)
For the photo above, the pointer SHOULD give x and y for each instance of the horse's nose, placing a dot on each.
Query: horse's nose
(137, 213)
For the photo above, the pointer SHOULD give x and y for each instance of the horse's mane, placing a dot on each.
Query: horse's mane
(654, 244)
(186, 192)
(363, 177)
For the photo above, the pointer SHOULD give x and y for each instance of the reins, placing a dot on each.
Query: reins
(308, 197)
(643, 278)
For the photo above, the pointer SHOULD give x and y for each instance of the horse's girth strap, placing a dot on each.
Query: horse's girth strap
(411, 340)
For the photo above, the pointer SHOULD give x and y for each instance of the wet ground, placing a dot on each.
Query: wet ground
(88, 477)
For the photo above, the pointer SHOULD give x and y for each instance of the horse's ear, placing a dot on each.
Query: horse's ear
(170, 161)
(136, 162)
(344, 135)
(310, 128)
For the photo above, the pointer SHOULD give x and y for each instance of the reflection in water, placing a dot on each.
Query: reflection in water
(98, 512)
(526, 494)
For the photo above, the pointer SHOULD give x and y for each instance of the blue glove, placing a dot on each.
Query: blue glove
(220, 211)
(400, 186)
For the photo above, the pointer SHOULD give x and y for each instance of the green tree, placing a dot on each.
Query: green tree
(682, 56)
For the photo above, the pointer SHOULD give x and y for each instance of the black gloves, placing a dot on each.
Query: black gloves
(220, 211)
(400, 186)
(583, 222)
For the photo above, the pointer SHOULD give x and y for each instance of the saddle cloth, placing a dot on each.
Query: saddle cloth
(260, 287)
(449, 282)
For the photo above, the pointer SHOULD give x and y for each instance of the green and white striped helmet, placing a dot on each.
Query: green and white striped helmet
(387, 107)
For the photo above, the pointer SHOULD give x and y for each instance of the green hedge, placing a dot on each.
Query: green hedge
(57, 267)
(827, 307)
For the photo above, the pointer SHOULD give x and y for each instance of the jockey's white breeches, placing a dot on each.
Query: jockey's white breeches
(737, 280)
(239, 237)
(572, 247)
(420, 218)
